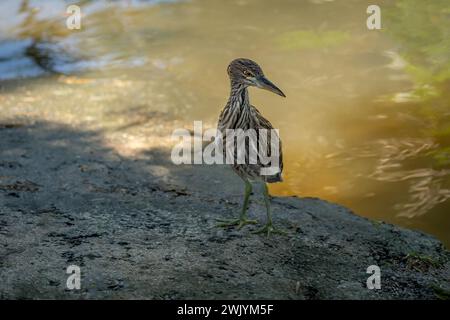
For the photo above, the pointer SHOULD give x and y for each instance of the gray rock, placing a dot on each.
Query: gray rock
(66, 199)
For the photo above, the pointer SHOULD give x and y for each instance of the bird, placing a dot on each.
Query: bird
(238, 113)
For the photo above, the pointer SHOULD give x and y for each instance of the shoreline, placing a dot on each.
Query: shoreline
(141, 227)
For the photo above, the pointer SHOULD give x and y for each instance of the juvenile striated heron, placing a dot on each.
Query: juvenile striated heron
(240, 114)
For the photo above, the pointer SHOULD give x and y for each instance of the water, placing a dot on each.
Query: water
(366, 121)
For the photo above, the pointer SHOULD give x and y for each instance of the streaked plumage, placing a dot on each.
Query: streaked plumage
(240, 114)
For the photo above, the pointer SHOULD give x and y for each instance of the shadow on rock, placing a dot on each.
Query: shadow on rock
(143, 228)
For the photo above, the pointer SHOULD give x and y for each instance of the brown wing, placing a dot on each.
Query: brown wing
(263, 123)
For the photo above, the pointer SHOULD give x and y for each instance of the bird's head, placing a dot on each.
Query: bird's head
(248, 73)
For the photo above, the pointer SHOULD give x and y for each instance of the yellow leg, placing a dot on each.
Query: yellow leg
(268, 228)
(242, 221)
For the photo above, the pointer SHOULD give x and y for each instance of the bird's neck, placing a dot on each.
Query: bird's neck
(239, 97)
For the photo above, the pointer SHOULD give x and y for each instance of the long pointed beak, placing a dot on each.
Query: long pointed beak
(264, 83)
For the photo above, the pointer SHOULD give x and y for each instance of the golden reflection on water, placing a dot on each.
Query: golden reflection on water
(366, 118)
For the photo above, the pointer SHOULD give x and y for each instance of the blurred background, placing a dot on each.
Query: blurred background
(366, 121)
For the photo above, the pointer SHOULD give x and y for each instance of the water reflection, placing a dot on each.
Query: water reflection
(366, 122)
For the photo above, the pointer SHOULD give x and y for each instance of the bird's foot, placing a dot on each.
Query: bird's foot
(268, 229)
(239, 223)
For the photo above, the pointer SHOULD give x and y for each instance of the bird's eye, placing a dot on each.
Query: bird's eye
(247, 73)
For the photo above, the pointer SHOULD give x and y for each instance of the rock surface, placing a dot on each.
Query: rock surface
(144, 228)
